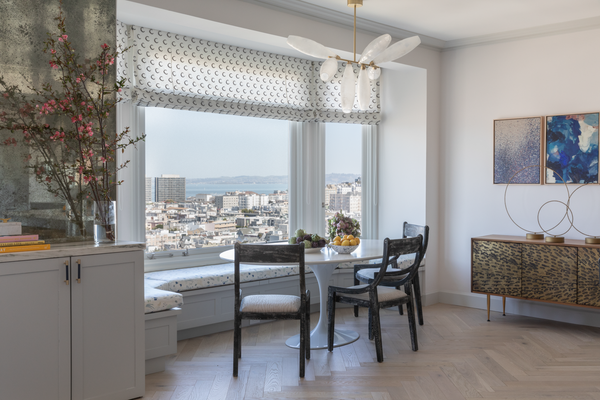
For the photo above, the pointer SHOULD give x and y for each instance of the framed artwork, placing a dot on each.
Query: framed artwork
(517, 149)
(572, 148)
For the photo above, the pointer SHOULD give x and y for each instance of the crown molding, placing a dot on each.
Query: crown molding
(325, 15)
(528, 33)
(331, 17)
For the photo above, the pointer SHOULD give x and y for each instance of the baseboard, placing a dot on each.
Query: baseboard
(528, 308)
(430, 299)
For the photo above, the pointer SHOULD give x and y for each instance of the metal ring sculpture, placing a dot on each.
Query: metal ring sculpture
(590, 238)
(567, 205)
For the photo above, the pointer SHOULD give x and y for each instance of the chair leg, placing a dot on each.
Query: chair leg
(417, 291)
(307, 333)
(356, 282)
(236, 344)
(370, 324)
(302, 355)
(400, 309)
(331, 321)
(412, 323)
(376, 326)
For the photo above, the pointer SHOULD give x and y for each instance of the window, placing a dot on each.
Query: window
(213, 179)
(343, 162)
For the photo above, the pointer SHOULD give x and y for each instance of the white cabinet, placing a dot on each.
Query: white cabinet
(78, 341)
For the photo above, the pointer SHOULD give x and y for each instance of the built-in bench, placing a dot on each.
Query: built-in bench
(208, 298)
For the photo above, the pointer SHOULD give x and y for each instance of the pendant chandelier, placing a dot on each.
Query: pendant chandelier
(376, 52)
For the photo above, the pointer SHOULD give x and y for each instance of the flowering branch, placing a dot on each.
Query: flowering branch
(81, 156)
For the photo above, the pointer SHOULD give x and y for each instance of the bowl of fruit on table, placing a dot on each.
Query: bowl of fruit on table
(344, 244)
(313, 243)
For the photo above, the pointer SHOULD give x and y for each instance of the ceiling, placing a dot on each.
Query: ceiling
(454, 23)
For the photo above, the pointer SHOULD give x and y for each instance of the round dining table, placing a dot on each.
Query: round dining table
(323, 263)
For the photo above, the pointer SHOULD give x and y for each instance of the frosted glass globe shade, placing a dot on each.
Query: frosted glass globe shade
(328, 69)
(374, 73)
(364, 90)
(398, 50)
(374, 48)
(348, 89)
(309, 47)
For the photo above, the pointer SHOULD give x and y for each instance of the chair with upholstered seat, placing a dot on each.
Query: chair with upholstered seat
(375, 296)
(365, 272)
(271, 306)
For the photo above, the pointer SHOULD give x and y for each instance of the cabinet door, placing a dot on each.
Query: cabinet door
(35, 330)
(550, 273)
(496, 268)
(588, 288)
(108, 326)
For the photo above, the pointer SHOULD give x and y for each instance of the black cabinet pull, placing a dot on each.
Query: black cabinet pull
(78, 271)
(67, 272)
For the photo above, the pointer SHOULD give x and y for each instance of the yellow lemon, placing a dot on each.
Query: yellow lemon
(350, 237)
(337, 239)
(353, 242)
(357, 240)
(345, 237)
(337, 243)
(346, 243)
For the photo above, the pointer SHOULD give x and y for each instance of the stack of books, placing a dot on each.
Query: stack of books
(12, 241)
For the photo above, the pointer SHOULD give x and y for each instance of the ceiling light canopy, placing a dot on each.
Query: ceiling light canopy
(376, 52)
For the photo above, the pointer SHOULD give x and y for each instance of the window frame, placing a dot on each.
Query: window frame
(307, 143)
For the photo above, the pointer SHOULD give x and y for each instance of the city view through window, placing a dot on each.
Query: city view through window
(213, 180)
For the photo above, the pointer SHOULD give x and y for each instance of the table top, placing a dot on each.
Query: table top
(367, 250)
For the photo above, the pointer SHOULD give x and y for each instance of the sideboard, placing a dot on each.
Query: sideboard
(72, 323)
(512, 266)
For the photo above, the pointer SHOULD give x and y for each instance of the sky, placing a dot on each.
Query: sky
(205, 145)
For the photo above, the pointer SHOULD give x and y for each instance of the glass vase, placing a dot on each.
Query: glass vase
(105, 222)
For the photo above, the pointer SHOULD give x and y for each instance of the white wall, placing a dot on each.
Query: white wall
(534, 77)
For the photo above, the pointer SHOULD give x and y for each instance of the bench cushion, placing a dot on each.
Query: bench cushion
(180, 280)
(159, 300)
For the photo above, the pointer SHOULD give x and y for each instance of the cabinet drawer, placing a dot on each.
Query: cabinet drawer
(550, 273)
(588, 287)
(496, 268)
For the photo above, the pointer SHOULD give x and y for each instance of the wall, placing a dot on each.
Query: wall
(22, 62)
(534, 77)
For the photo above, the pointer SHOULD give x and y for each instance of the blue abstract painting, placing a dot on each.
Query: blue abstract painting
(517, 145)
(572, 148)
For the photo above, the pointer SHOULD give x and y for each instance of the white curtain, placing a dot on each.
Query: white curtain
(168, 70)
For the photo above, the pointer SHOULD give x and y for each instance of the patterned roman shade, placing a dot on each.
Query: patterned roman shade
(169, 70)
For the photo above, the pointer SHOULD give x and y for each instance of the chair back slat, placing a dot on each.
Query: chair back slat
(392, 249)
(268, 254)
(411, 230)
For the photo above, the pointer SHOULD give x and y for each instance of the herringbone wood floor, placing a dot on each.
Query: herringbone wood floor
(461, 356)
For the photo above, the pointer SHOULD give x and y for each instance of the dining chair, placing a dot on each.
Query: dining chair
(271, 306)
(375, 296)
(365, 272)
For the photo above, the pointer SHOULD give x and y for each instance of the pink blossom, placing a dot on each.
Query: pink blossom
(87, 179)
(64, 37)
(53, 51)
(103, 159)
(48, 179)
(80, 169)
(104, 46)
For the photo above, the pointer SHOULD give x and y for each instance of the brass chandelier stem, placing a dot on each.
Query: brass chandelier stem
(355, 33)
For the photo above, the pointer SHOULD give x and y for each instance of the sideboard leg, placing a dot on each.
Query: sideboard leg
(504, 306)
(488, 304)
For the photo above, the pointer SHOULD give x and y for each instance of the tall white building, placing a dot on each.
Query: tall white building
(148, 189)
(169, 187)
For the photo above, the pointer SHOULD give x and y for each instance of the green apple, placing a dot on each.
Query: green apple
(300, 232)
(292, 240)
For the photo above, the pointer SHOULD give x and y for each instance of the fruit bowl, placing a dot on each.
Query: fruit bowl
(343, 249)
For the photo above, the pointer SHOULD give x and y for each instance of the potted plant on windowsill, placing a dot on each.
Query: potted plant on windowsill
(65, 125)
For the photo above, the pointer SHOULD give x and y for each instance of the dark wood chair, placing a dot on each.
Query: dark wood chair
(375, 296)
(271, 306)
(365, 273)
